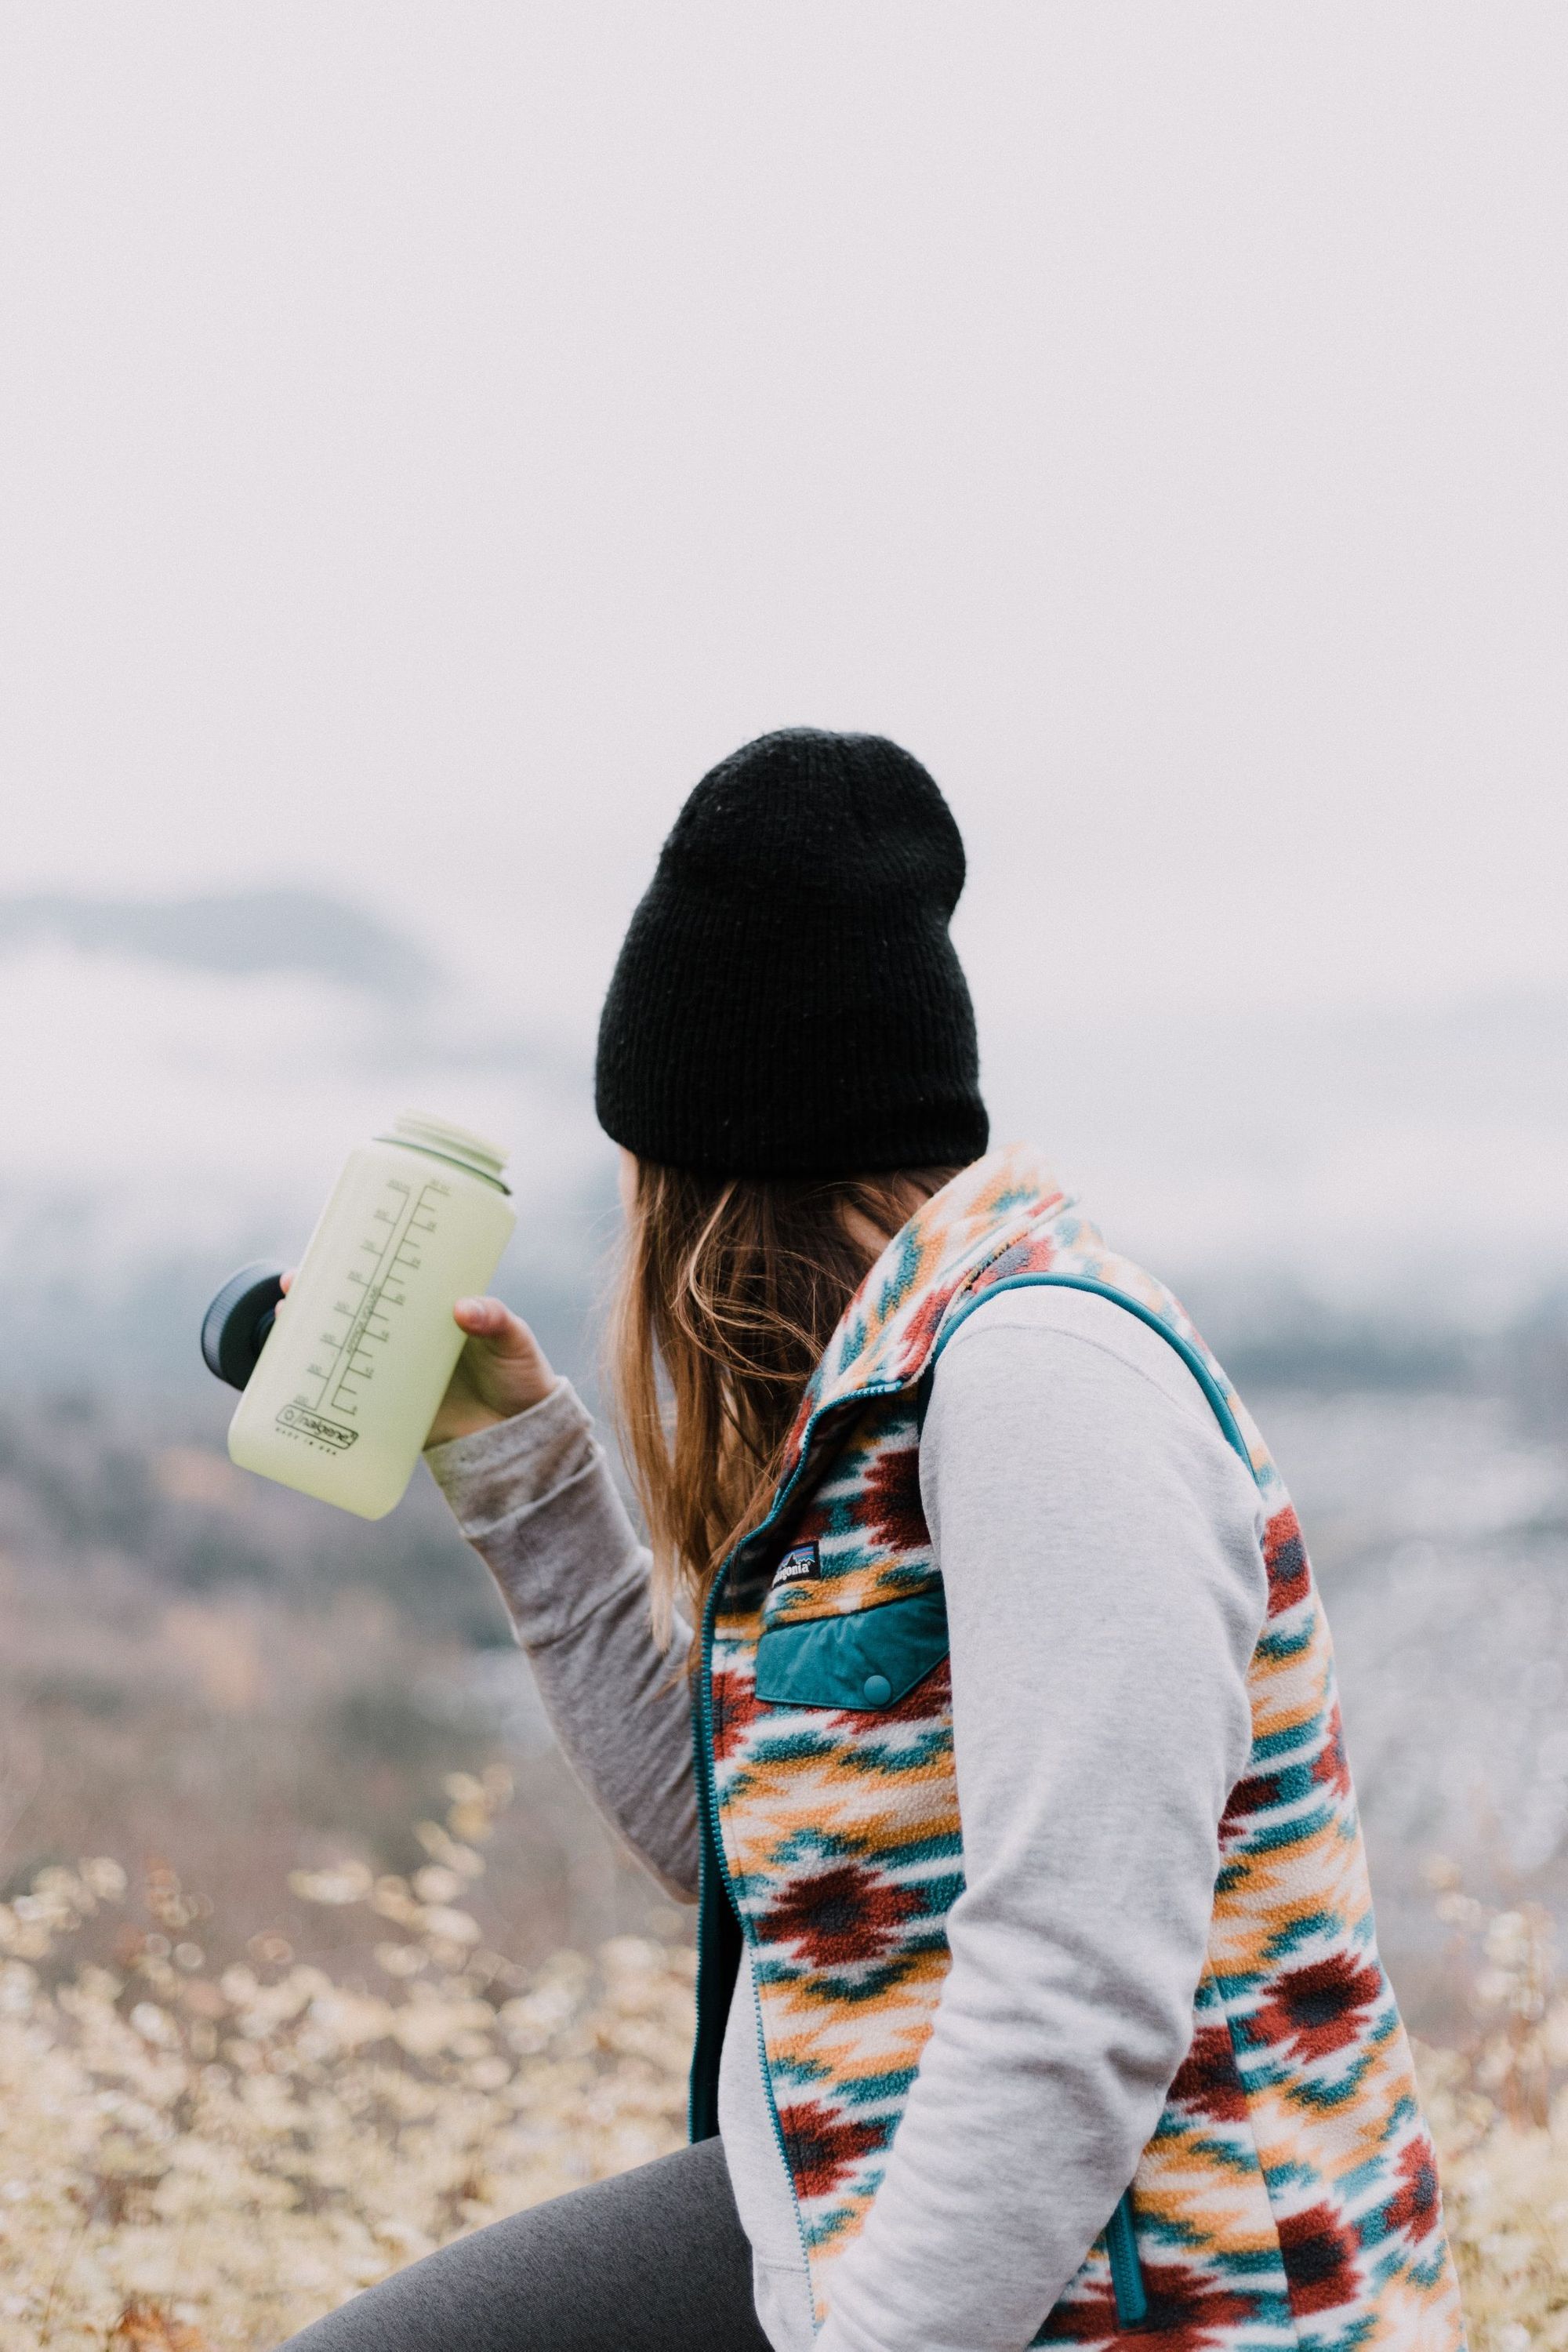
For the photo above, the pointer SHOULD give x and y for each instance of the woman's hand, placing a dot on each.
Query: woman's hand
(501, 1370)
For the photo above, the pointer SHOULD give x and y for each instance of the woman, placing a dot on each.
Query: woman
(1038, 1997)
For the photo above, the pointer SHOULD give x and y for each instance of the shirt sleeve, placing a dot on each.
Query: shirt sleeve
(534, 1496)
(1100, 1547)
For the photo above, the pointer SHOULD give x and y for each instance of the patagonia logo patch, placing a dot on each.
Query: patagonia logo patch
(799, 1565)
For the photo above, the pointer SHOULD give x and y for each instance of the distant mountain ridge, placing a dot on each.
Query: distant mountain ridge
(181, 1076)
(240, 932)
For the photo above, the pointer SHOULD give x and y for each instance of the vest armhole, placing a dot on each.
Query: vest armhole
(1219, 1405)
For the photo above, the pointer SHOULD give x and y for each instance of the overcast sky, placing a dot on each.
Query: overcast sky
(431, 436)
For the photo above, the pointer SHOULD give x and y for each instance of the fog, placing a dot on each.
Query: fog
(429, 439)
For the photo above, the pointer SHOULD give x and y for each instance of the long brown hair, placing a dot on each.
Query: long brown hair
(730, 1290)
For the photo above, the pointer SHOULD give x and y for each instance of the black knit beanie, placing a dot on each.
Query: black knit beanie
(787, 1002)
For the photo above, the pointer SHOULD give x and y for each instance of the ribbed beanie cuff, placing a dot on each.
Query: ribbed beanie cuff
(787, 1002)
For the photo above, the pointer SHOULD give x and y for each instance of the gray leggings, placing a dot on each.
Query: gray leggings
(653, 2261)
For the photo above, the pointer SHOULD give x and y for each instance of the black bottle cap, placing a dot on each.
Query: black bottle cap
(235, 1325)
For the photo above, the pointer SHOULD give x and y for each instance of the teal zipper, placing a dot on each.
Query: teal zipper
(711, 1864)
(719, 1944)
(1126, 2269)
(715, 1895)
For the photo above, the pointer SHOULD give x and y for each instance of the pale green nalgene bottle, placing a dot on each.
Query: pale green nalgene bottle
(345, 1389)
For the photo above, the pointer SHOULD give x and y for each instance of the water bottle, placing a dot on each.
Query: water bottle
(341, 1380)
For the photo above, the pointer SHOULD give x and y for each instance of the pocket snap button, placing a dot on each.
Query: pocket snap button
(877, 1689)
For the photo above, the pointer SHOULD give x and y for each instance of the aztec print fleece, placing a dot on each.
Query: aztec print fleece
(1288, 2197)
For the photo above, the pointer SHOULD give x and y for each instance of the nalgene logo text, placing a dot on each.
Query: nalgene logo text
(303, 1423)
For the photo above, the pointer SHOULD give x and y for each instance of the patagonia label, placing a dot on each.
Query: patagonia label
(798, 1566)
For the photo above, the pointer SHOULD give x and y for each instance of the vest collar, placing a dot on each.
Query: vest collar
(887, 1332)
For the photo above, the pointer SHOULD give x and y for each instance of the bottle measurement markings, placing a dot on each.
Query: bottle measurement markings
(346, 1368)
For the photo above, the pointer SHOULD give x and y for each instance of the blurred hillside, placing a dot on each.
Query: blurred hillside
(183, 1079)
(198, 1666)
(205, 1673)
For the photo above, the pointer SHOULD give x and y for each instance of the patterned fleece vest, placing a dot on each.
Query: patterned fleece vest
(1288, 2196)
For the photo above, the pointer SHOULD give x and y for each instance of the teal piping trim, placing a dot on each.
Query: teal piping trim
(713, 1889)
(1184, 1348)
(1120, 2239)
(713, 1839)
(1121, 2232)
(716, 1836)
(719, 1940)
(1126, 2271)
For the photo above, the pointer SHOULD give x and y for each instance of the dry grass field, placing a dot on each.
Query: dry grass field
(196, 2157)
(305, 2017)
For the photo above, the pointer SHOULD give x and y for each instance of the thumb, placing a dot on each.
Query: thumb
(487, 1318)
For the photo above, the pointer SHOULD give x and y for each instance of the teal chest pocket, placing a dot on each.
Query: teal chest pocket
(871, 1659)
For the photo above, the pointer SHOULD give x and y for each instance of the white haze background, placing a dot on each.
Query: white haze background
(428, 440)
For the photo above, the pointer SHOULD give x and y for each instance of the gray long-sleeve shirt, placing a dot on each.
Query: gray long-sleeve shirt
(1101, 1549)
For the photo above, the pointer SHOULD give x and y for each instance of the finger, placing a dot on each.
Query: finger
(487, 1318)
(286, 1281)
